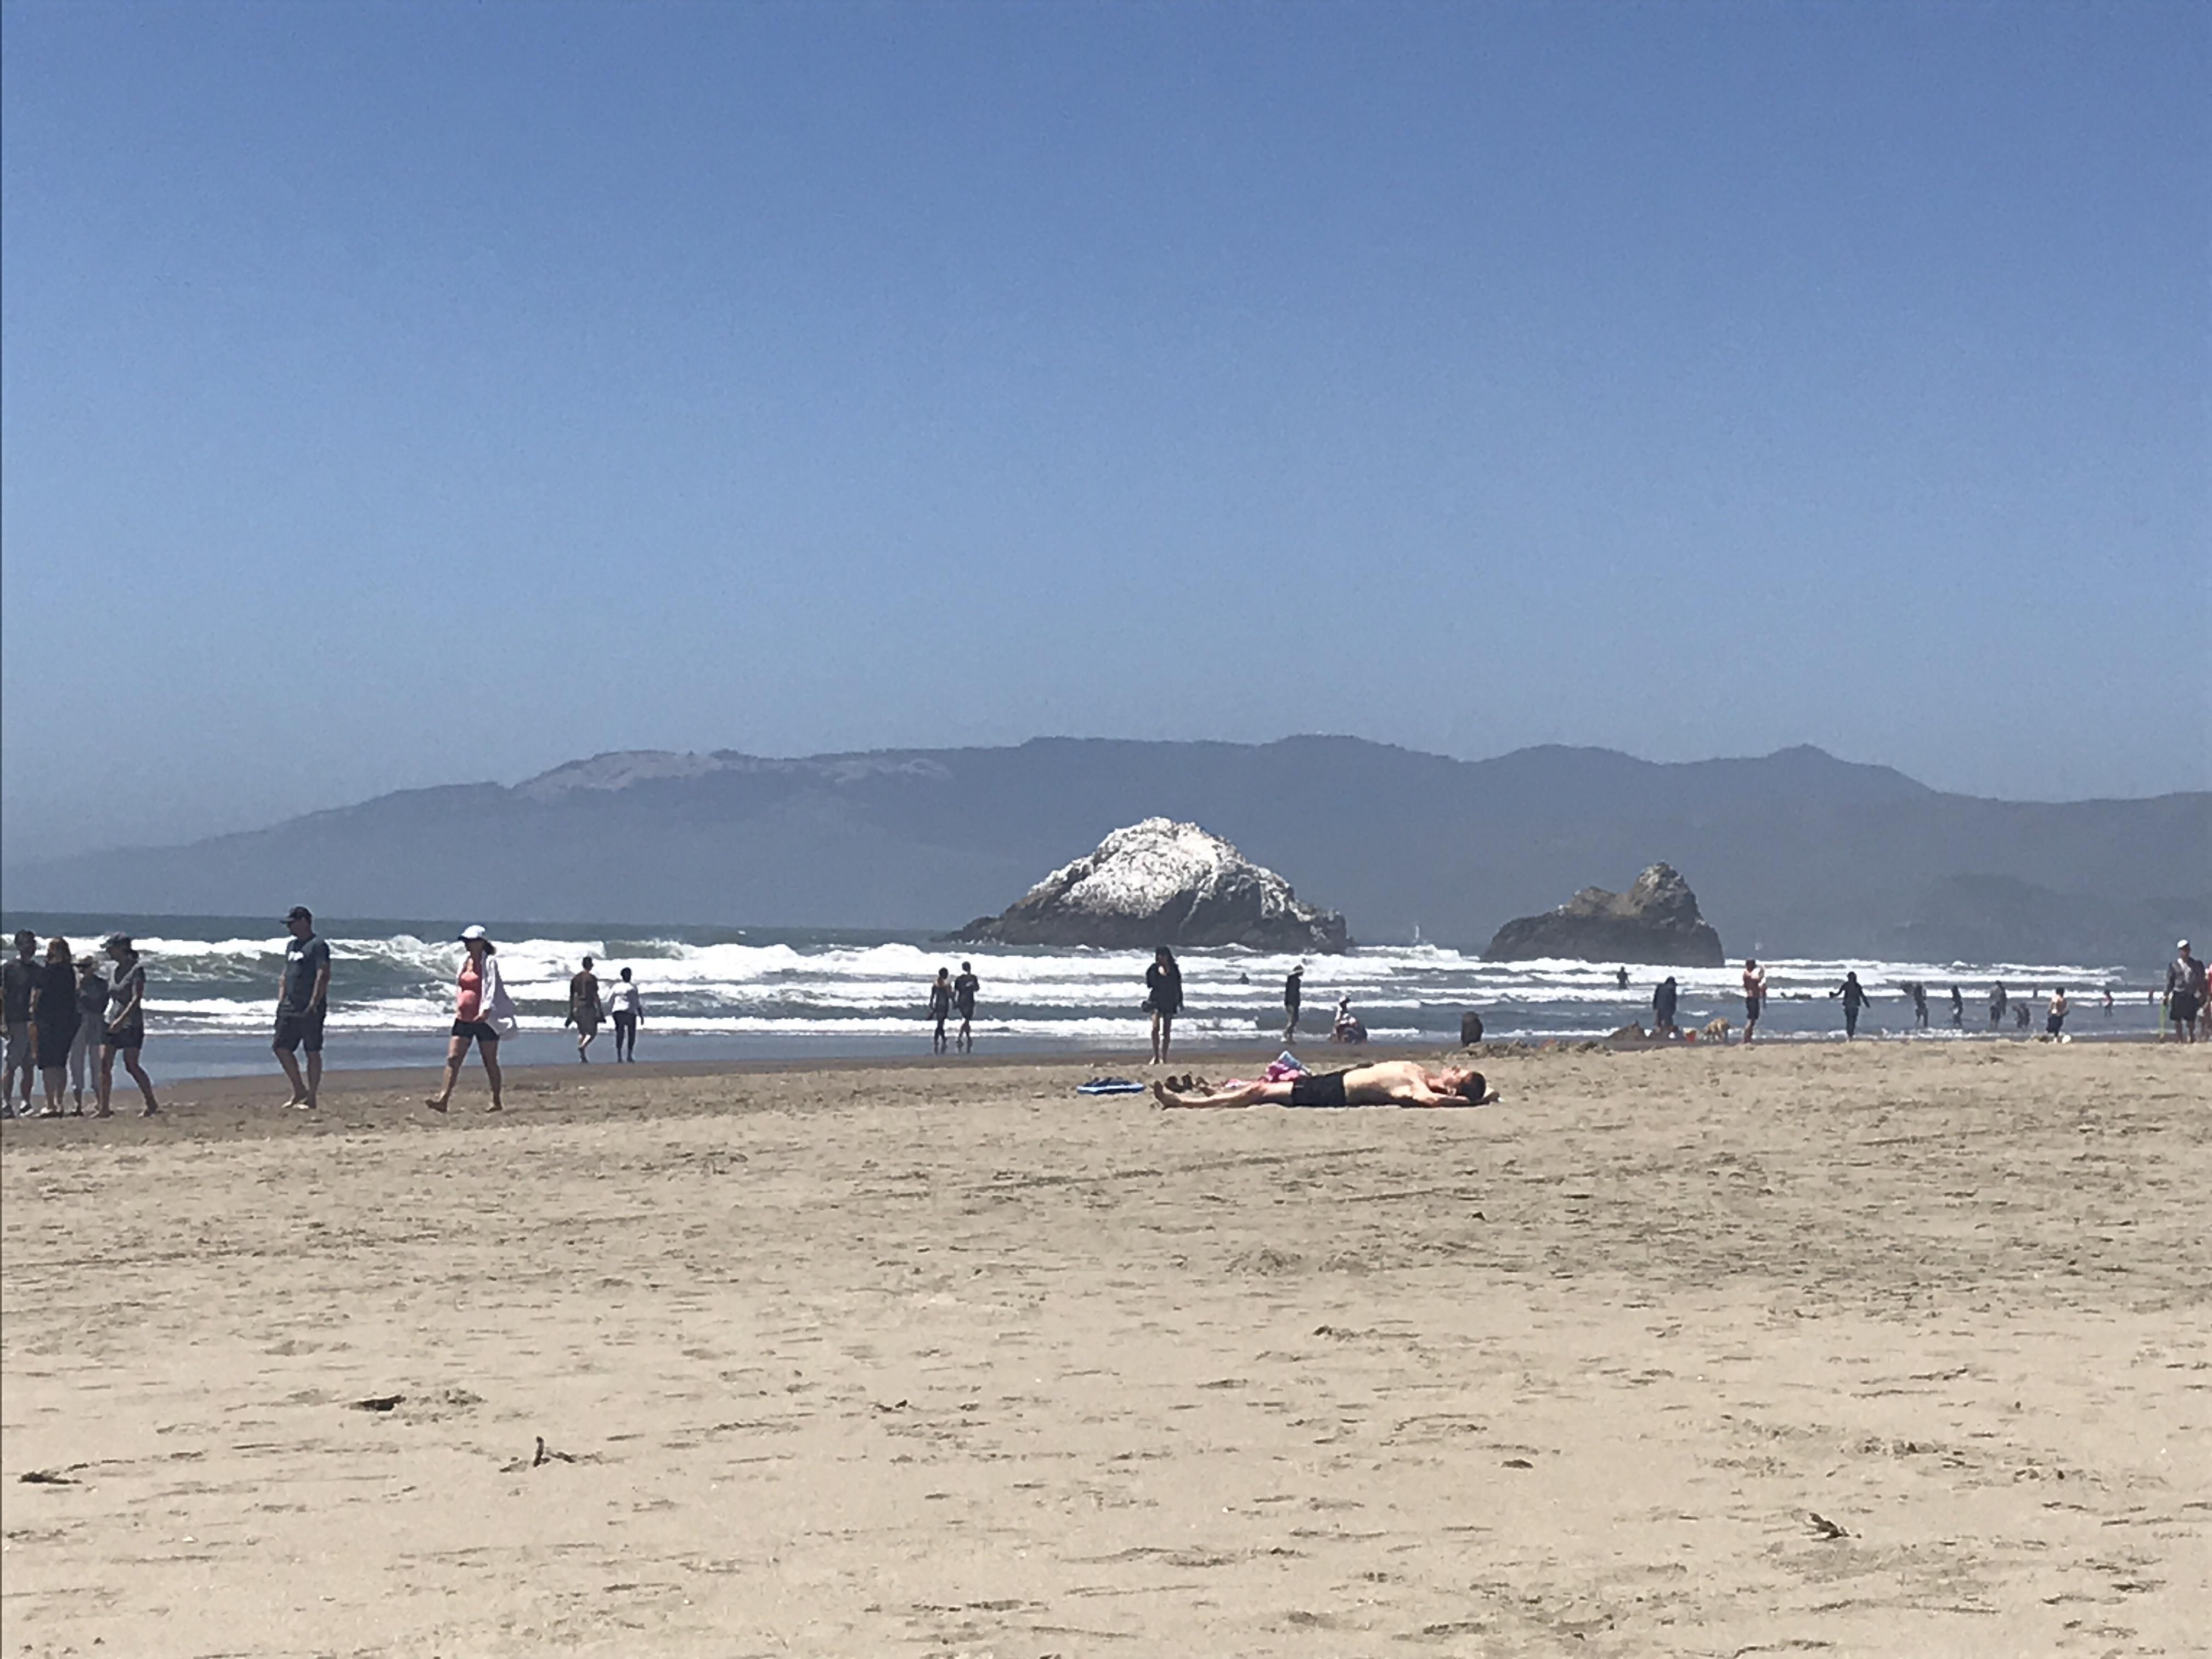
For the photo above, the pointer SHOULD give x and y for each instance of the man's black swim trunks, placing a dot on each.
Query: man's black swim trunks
(1326, 1089)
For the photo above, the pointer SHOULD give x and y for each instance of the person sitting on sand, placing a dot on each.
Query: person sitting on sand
(1392, 1083)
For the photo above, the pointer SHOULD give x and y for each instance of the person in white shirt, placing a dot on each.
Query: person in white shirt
(623, 1008)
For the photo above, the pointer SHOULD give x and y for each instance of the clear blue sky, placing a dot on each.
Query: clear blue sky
(403, 394)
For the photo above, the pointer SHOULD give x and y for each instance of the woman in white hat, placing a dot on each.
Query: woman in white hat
(483, 1013)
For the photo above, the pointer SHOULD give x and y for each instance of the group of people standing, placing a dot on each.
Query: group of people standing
(66, 1018)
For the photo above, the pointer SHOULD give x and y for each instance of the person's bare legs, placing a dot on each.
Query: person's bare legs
(1156, 1055)
(456, 1051)
(1252, 1094)
(55, 1077)
(1167, 1037)
(301, 1094)
(584, 1041)
(314, 1076)
(104, 1082)
(145, 1083)
(488, 1052)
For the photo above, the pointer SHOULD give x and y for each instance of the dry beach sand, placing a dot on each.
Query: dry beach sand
(941, 1359)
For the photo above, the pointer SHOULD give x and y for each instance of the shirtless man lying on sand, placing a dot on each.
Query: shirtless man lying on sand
(1394, 1083)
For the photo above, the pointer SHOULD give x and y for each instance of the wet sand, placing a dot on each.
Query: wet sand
(1896, 1349)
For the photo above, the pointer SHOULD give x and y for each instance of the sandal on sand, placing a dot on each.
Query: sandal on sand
(435, 1105)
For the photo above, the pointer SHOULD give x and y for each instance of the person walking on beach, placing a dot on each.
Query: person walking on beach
(964, 998)
(483, 1013)
(1163, 999)
(940, 1008)
(91, 1021)
(1919, 1005)
(1958, 1010)
(1854, 998)
(1996, 1005)
(1294, 991)
(18, 979)
(585, 1009)
(1754, 996)
(623, 1009)
(2108, 1002)
(54, 1020)
(303, 992)
(2054, 1019)
(126, 1032)
(1664, 1001)
(2186, 991)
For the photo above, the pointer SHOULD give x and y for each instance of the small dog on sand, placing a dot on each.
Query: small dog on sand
(1716, 1030)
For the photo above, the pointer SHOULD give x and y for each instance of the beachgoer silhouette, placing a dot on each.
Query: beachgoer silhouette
(1163, 1000)
(1754, 996)
(940, 1008)
(1919, 1004)
(963, 998)
(1854, 998)
(1996, 1005)
(1958, 1010)
(585, 1009)
(1621, 974)
(303, 992)
(1294, 994)
(624, 1007)
(1663, 1001)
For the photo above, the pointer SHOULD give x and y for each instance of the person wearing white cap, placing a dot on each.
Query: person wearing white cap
(2185, 993)
(482, 1014)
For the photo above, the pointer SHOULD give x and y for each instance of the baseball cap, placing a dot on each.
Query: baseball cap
(299, 913)
(474, 930)
(2181, 944)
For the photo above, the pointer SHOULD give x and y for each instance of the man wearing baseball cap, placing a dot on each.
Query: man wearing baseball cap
(2184, 992)
(302, 998)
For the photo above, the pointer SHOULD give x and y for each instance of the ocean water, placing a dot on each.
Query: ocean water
(717, 993)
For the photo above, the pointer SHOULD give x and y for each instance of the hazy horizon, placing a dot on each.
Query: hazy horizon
(403, 394)
(508, 782)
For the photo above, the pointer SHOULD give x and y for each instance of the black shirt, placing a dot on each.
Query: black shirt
(17, 980)
(963, 993)
(1164, 986)
(303, 964)
(1293, 988)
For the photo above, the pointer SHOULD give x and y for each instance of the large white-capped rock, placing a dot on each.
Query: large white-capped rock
(1162, 883)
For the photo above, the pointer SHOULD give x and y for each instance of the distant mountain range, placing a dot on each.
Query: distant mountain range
(1795, 853)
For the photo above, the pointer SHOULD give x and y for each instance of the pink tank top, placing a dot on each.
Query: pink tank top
(472, 1006)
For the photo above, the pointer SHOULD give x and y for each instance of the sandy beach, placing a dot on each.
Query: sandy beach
(1892, 1350)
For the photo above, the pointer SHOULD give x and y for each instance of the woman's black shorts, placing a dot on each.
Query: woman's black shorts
(482, 1029)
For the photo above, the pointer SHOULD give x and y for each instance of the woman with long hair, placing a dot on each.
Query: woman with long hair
(1164, 997)
(482, 1014)
(54, 1020)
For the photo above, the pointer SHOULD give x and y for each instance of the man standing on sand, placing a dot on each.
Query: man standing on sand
(1919, 1005)
(964, 987)
(1958, 1010)
(585, 1009)
(2054, 1021)
(18, 979)
(1393, 1083)
(2186, 991)
(303, 992)
(1854, 998)
(1996, 1005)
(1294, 991)
(1664, 1003)
(1754, 996)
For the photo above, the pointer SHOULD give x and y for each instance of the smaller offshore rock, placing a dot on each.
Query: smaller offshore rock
(1656, 921)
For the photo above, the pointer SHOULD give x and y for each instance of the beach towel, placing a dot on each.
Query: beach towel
(1109, 1085)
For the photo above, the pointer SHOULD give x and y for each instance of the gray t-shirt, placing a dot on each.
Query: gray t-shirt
(129, 982)
(303, 964)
